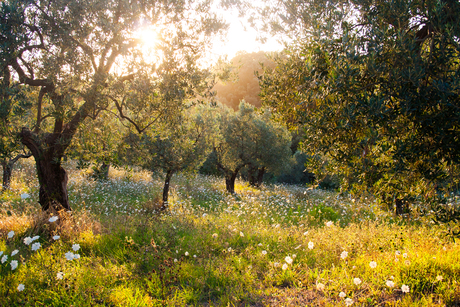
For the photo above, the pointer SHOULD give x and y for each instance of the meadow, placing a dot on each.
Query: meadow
(280, 245)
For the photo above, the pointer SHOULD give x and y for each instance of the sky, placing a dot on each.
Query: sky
(240, 38)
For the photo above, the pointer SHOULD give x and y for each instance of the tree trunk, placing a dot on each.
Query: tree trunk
(52, 178)
(252, 176)
(230, 182)
(7, 171)
(169, 174)
(399, 206)
(260, 176)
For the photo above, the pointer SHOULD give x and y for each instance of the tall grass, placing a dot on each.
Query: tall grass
(279, 245)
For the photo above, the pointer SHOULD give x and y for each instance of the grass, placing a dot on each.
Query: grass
(279, 245)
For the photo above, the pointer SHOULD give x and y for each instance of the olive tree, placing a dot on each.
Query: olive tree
(83, 57)
(181, 144)
(375, 86)
(249, 139)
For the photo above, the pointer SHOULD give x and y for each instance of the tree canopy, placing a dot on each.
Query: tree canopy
(375, 85)
(81, 57)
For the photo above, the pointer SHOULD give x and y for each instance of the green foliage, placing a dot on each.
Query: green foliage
(376, 89)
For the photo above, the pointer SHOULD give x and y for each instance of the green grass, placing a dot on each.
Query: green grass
(215, 249)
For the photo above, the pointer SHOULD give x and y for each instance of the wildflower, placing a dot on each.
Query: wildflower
(194, 256)
(356, 281)
(25, 196)
(76, 247)
(35, 238)
(405, 289)
(390, 284)
(397, 253)
(342, 294)
(21, 287)
(35, 246)
(4, 258)
(344, 255)
(76, 256)
(60, 275)
(205, 214)
(214, 235)
(264, 252)
(27, 240)
(305, 233)
(405, 255)
(310, 245)
(56, 238)
(10, 234)
(14, 252)
(320, 286)
(407, 262)
(288, 260)
(276, 264)
(329, 224)
(229, 249)
(260, 244)
(53, 219)
(175, 260)
(69, 256)
(14, 264)
(284, 267)
(348, 302)
(241, 234)
(373, 264)
(439, 278)
(186, 254)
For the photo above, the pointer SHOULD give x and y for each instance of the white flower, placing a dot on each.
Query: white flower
(397, 253)
(14, 264)
(373, 264)
(53, 219)
(276, 264)
(76, 256)
(35, 238)
(186, 254)
(14, 252)
(76, 247)
(20, 287)
(390, 284)
(305, 233)
(439, 278)
(60, 275)
(356, 281)
(36, 246)
(241, 234)
(405, 289)
(342, 294)
(284, 267)
(214, 235)
(329, 224)
(25, 196)
(320, 286)
(10, 234)
(344, 255)
(4, 258)
(260, 244)
(175, 260)
(264, 252)
(348, 302)
(56, 238)
(205, 214)
(27, 240)
(69, 256)
(288, 260)
(405, 255)
(310, 245)
(229, 249)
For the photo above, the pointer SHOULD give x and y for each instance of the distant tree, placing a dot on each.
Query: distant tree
(183, 143)
(13, 102)
(245, 85)
(97, 142)
(375, 85)
(249, 139)
(83, 57)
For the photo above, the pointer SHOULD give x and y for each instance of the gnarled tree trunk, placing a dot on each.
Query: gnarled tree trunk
(52, 177)
(169, 174)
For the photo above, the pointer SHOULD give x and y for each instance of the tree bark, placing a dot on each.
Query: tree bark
(169, 174)
(260, 176)
(230, 181)
(52, 177)
(8, 170)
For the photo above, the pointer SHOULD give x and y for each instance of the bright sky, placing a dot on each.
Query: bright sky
(240, 38)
